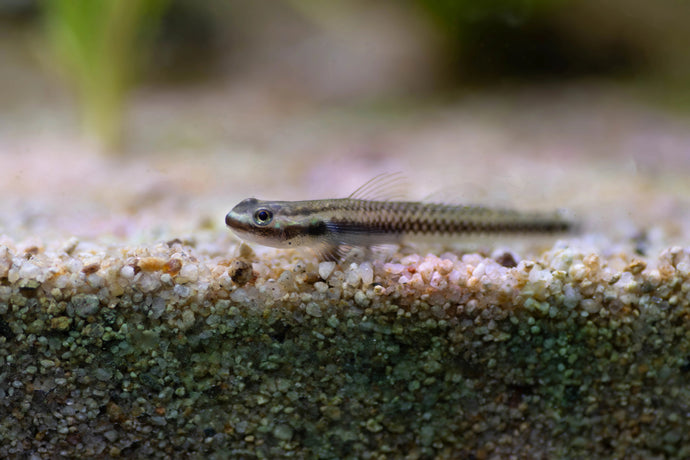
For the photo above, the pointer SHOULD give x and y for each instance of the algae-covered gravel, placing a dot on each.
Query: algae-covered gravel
(171, 350)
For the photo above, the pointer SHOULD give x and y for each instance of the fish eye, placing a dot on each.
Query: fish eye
(263, 216)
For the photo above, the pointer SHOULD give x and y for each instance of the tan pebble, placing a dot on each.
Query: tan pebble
(473, 283)
(246, 252)
(417, 282)
(636, 266)
(151, 264)
(60, 323)
(172, 266)
(592, 262)
(91, 268)
(577, 271)
(116, 290)
(70, 245)
(426, 269)
(445, 267)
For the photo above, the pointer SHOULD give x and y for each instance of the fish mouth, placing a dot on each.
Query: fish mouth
(230, 221)
(237, 224)
(236, 218)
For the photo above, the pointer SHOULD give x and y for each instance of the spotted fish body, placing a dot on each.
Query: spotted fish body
(328, 225)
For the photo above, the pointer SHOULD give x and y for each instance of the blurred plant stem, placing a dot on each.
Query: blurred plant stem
(99, 46)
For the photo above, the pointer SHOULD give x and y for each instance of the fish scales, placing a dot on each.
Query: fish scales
(402, 218)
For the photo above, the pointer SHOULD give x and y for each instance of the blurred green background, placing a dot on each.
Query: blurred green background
(95, 55)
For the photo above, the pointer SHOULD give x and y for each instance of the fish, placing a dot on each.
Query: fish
(369, 217)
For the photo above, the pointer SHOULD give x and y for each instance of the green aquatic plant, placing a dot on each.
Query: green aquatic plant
(98, 46)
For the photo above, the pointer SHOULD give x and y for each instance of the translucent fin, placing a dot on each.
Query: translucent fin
(344, 253)
(333, 253)
(383, 251)
(469, 194)
(384, 187)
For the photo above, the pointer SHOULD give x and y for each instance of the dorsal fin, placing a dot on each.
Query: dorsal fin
(383, 187)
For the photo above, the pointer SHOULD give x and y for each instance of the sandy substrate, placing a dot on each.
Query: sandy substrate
(133, 324)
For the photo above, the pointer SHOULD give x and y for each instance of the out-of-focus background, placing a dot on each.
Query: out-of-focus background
(136, 119)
